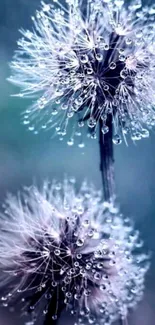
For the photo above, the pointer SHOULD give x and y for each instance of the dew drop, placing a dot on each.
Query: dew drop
(88, 266)
(106, 87)
(87, 292)
(117, 139)
(77, 296)
(91, 122)
(79, 256)
(68, 294)
(80, 242)
(89, 70)
(81, 124)
(103, 287)
(144, 133)
(81, 145)
(122, 58)
(31, 128)
(84, 59)
(25, 122)
(99, 57)
(70, 142)
(91, 320)
(57, 252)
(97, 276)
(4, 298)
(105, 129)
(48, 296)
(54, 111)
(45, 311)
(76, 264)
(112, 65)
(106, 47)
(64, 289)
(54, 284)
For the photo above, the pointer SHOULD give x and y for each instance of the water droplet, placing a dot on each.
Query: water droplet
(122, 58)
(54, 111)
(100, 265)
(97, 276)
(64, 289)
(76, 264)
(25, 122)
(45, 311)
(87, 292)
(81, 124)
(70, 142)
(77, 296)
(88, 266)
(85, 223)
(54, 317)
(112, 65)
(89, 70)
(4, 298)
(84, 58)
(91, 122)
(106, 47)
(54, 284)
(48, 296)
(106, 87)
(68, 294)
(117, 139)
(81, 145)
(91, 320)
(79, 256)
(145, 133)
(99, 57)
(105, 129)
(57, 252)
(103, 287)
(80, 242)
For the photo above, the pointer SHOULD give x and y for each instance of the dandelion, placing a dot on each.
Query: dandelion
(87, 61)
(61, 247)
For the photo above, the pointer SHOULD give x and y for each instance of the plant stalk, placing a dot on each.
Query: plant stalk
(107, 160)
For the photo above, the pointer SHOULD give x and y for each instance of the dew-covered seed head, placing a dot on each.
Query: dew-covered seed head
(85, 60)
(66, 245)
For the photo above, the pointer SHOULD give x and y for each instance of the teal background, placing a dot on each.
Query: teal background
(25, 157)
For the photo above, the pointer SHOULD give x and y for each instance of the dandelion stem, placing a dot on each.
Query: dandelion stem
(107, 160)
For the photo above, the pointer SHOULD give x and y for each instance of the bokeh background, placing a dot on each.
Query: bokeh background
(25, 157)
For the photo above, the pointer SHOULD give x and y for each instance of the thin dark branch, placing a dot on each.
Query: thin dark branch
(107, 160)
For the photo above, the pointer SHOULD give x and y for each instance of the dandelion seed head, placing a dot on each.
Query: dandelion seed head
(85, 60)
(68, 241)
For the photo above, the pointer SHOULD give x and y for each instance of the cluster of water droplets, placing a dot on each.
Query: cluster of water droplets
(71, 245)
(85, 61)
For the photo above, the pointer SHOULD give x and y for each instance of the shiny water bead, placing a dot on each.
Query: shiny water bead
(105, 129)
(84, 58)
(112, 65)
(57, 252)
(117, 139)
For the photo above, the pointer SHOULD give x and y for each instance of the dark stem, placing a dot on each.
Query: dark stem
(107, 160)
(55, 308)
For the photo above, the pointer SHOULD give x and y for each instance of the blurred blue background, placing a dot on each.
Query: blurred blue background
(25, 157)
